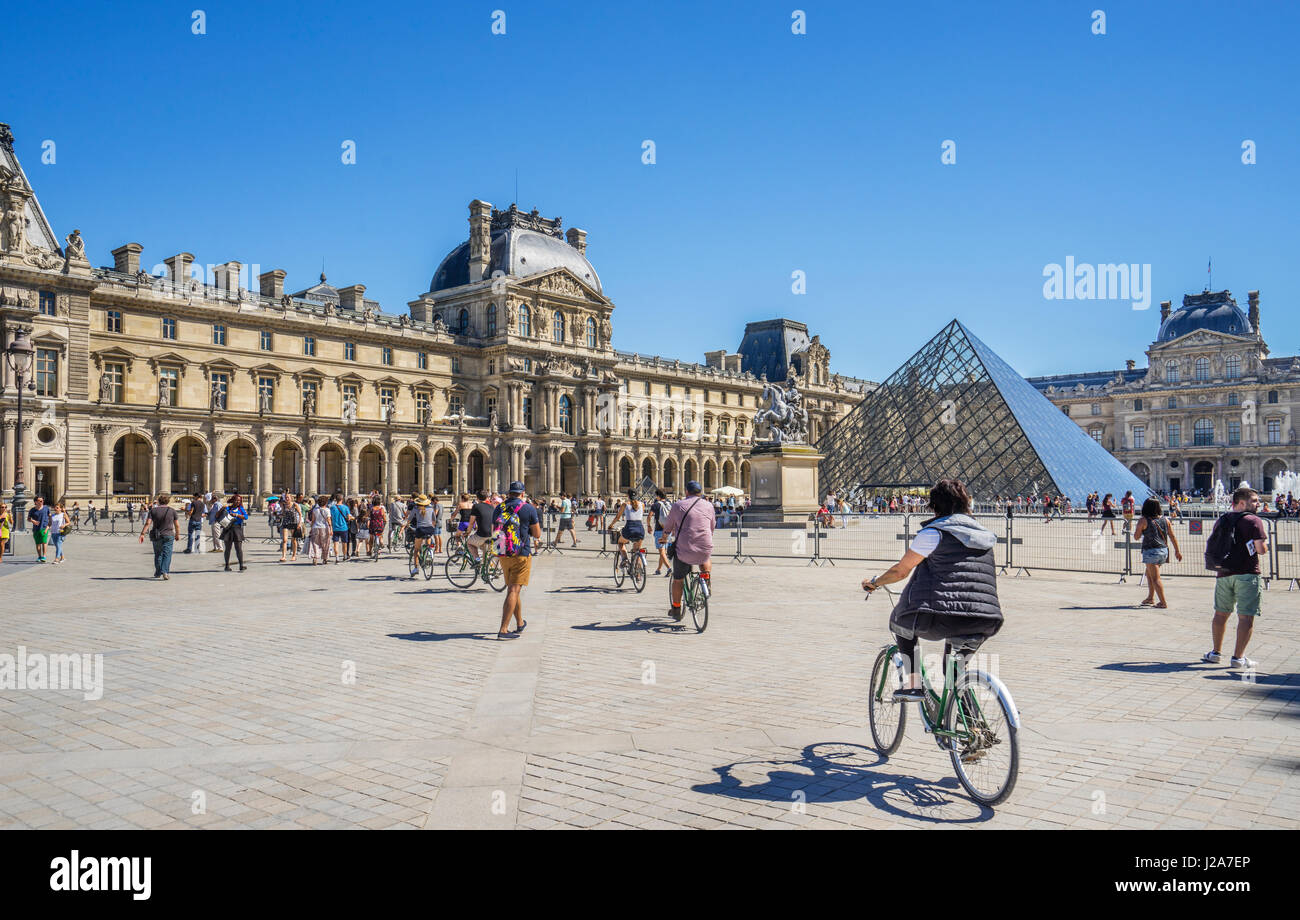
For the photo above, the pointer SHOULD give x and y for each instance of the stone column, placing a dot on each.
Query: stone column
(427, 484)
(104, 457)
(312, 468)
(264, 471)
(161, 472)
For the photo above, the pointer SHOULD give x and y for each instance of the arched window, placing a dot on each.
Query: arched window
(1171, 372)
(566, 415)
(1203, 432)
(1202, 368)
(492, 319)
(557, 327)
(525, 324)
(591, 332)
(462, 323)
(1232, 367)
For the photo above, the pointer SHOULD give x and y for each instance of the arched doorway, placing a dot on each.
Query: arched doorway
(1203, 476)
(569, 474)
(710, 475)
(408, 470)
(477, 471)
(188, 467)
(728, 473)
(286, 468)
(691, 472)
(625, 474)
(1141, 471)
(648, 470)
(241, 460)
(132, 466)
(670, 476)
(370, 470)
(444, 471)
(744, 476)
(329, 470)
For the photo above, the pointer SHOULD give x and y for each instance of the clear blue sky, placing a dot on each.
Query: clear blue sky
(776, 153)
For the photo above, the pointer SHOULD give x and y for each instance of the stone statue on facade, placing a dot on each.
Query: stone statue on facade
(390, 412)
(214, 398)
(606, 331)
(349, 410)
(15, 226)
(105, 387)
(264, 402)
(309, 403)
(493, 419)
(784, 415)
(510, 317)
(75, 247)
(439, 327)
(164, 395)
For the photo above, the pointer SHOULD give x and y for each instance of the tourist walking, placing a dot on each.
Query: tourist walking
(1156, 535)
(216, 511)
(290, 529)
(354, 524)
(233, 535)
(76, 515)
(194, 524)
(954, 589)
(160, 525)
(321, 528)
(375, 523)
(690, 518)
(60, 526)
(659, 512)
(39, 518)
(566, 519)
(6, 525)
(1107, 513)
(520, 525)
(1242, 539)
(339, 521)
(1127, 504)
(436, 508)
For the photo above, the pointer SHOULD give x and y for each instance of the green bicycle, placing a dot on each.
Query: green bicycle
(462, 569)
(974, 719)
(421, 563)
(695, 598)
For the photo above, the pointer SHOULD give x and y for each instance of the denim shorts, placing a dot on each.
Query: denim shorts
(1157, 556)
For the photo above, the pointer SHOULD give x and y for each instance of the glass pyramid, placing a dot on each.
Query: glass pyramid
(957, 410)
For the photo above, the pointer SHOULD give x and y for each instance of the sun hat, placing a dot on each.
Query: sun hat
(422, 500)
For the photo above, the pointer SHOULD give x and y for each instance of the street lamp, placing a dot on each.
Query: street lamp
(19, 356)
(106, 514)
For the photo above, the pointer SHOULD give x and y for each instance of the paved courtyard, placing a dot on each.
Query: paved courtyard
(348, 696)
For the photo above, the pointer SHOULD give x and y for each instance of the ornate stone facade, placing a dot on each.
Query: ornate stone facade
(505, 369)
(1211, 404)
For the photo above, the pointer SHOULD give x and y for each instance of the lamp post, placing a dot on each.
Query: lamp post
(19, 356)
(106, 514)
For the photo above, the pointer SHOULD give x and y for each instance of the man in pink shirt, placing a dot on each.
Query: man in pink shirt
(692, 520)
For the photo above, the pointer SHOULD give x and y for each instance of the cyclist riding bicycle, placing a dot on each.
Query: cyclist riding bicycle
(954, 590)
(692, 520)
(375, 525)
(480, 531)
(632, 513)
(420, 520)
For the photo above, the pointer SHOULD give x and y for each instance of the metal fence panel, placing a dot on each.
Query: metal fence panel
(1069, 544)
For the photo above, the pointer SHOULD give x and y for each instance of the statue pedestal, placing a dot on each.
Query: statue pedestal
(783, 482)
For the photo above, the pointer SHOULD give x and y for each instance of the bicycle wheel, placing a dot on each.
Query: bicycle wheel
(461, 570)
(412, 564)
(496, 576)
(638, 572)
(887, 717)
(619, 571)
(987, 756)
(455, 544)
(699, 603)
(427, 561)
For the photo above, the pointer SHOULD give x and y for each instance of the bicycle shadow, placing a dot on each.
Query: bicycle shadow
(640, 624)
(424, 591)
(426, 636)
(845, 772)
(586, 589)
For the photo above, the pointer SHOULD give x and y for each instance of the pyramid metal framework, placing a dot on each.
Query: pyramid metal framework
(957, 410)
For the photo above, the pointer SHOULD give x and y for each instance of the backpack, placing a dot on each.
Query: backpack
(509, 531)
(1223, 541)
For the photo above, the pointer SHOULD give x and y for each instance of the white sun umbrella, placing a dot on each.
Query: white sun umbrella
(729, 490)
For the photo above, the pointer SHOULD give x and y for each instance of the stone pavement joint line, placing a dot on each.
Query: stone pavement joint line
(351, 696)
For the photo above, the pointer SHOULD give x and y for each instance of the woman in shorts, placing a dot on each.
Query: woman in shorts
(632, 514)
(1108, 512)
(1156, 535)
(290, 528)
(436, 507)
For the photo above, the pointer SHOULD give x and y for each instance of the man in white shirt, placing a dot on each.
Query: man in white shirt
(566, 519)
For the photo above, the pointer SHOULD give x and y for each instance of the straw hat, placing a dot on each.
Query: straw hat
(422, 500)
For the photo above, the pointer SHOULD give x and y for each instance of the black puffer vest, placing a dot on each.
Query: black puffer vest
(953, 592)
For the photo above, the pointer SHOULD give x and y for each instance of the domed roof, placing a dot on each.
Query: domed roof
(1216, 312)
(518, 250)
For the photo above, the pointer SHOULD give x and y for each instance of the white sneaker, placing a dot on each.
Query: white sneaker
(1212, 657)
(1242, 662)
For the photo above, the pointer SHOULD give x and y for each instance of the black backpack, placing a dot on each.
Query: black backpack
(1223, 541)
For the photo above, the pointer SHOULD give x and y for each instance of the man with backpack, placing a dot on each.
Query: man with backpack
(517, 524)
(1233, 551)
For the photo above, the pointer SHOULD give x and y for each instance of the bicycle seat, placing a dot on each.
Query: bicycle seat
(966, 643)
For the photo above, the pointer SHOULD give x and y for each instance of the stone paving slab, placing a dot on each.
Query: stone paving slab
(350, 696)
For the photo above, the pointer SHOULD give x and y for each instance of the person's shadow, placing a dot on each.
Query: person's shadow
(841, 772)
(1155, 667)
(426, 636)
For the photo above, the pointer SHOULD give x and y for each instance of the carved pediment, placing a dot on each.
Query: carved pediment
(113, 354)
(562, 282)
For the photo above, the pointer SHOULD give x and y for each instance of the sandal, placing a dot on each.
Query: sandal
(1147, 603)
(1161, 606)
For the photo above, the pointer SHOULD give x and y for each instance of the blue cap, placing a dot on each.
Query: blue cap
(516, 486)
(694, 487)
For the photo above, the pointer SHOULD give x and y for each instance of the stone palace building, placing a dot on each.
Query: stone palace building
(185, 379)
(1210, 405)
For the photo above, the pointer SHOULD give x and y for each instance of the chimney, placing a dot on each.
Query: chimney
(1254, 310)
(480, 239)
(1164, 310)
(714, 358)
(1130, 364)
(178, 266)
(126, 259)
(352, 297)
(272, 283)
(226, 277)
(578, 239)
